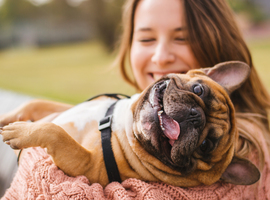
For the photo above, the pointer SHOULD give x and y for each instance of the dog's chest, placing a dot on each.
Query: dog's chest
(81, 121)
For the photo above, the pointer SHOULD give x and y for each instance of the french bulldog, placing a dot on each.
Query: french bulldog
(180, 130)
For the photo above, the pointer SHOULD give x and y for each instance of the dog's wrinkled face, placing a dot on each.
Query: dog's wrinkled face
(182, 118)
(187, 122)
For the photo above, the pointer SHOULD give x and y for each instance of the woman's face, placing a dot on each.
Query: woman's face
(159, 44)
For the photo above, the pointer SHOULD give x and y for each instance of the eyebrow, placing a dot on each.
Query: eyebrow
(146, 29)
(143, 29)
(180, 29)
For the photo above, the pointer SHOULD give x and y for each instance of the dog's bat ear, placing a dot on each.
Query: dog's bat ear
(241, 172)
(231, 75)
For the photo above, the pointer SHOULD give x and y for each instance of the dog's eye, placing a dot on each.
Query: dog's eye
(198, 90)
(206, 146)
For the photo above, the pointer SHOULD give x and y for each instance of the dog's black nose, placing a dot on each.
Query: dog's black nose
(194, 112)
(196, 117)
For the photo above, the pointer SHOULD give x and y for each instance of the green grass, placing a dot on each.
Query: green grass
(72, 73)
(260, 50)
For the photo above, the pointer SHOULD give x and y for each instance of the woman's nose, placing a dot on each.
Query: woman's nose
(162, 55)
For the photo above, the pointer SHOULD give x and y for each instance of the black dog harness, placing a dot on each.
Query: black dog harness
(105, 129)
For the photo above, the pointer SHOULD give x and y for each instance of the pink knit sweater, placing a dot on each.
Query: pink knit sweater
(38, 178)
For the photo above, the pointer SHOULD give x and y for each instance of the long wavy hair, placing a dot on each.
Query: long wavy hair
(214, 37)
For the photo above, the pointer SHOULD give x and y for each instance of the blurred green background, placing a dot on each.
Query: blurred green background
(63, 49)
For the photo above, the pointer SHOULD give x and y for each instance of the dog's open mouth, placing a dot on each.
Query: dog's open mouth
(169, 126)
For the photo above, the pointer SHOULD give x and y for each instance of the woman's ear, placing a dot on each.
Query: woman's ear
(241, 172)
(231, 75)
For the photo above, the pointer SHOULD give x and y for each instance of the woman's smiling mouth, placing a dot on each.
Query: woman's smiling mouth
(158, 75)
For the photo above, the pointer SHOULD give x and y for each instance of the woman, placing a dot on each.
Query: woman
(190, 34)
(160, 37)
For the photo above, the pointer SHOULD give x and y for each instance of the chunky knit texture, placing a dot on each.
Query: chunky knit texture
(39, 178)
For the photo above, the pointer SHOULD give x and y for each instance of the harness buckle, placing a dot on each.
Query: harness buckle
(105, 123)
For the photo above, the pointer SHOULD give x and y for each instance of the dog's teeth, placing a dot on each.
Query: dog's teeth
(160, 120)
(160, 112)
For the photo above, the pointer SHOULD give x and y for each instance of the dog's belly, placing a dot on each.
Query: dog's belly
(81, 121)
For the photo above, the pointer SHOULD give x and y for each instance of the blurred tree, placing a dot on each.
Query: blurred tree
(13, 12)
(107, 17)
(251, 8)
(100, 17)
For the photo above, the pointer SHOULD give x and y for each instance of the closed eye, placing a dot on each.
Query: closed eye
(180, 39)
(147, 40)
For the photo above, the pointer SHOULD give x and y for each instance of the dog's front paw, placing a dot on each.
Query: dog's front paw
(20, 135)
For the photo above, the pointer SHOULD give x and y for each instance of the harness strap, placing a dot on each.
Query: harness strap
(105, 129)
(109, 160)
(113, 95)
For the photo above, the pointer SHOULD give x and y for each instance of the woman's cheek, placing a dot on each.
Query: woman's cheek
(138, 58)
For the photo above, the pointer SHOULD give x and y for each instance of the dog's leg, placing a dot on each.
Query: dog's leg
(32, 111)
(67, 154)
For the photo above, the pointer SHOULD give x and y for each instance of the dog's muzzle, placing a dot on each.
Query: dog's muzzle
(181, 120)
(169, 126)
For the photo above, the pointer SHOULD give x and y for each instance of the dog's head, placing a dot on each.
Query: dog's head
(187, 122)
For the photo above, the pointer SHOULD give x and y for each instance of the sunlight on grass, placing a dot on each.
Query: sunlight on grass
(75, 72)
(70, 73)
(260, 50)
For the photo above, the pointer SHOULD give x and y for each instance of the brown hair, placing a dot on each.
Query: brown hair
(213, 37)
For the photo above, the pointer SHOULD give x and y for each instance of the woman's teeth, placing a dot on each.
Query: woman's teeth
(157, 76)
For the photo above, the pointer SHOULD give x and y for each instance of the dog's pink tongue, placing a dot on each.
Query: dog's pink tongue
(171, 128)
